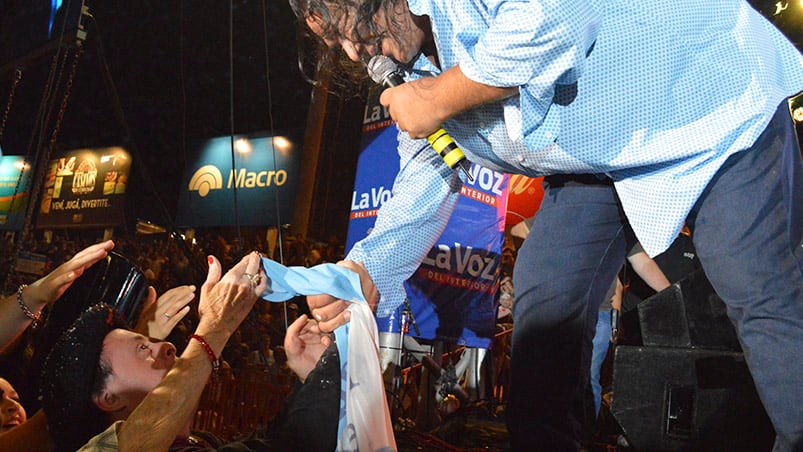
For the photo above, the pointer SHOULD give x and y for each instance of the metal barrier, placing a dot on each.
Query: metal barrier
(239, 403)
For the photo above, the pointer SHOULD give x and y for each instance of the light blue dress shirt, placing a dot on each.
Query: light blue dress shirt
(665, 93)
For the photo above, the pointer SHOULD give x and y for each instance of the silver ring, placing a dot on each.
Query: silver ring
(253, 280)
(167, 315)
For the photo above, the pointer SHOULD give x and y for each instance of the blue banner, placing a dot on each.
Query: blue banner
(15, 176)
(376, 169)
(31, 263)
(263, 178)
(453, 292)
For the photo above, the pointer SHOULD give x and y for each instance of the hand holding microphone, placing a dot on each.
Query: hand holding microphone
(384, 71)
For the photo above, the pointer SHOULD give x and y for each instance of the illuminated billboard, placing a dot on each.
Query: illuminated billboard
(248, 180)
(15, 175)
(85, 188)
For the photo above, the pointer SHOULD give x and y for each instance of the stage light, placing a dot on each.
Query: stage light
(113, 156)
(282, 144)
(797, 114)
(783, 6)
(796, 107)
(243, 146)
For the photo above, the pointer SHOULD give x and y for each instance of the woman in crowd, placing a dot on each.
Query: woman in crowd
(12, 413)
(19, 310)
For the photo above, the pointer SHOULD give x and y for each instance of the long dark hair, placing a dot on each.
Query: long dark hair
(315, 56)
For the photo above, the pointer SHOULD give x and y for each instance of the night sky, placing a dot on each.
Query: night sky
(169, 66)
(168, 70)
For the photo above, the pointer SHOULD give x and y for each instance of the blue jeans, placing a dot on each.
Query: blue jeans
(748, 229)
(577, 245)
(602, 338)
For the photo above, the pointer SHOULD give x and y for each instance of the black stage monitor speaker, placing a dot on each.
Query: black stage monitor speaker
(683, 399)
(688, 313)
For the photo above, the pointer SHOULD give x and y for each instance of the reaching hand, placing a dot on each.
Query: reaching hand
(304, 344)
(226, 301)
(331, 312)
(51, 287)
(159, 317)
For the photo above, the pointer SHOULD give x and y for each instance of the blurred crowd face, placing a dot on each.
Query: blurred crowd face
(12, 414)
(508, 256)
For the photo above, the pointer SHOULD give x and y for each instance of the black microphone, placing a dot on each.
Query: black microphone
(384, 71)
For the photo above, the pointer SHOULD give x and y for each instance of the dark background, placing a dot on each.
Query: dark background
(155, 78)
(168, 63)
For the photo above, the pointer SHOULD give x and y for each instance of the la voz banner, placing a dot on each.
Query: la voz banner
(15, 175)
(455, 287)
(261, 171)
(453, 292)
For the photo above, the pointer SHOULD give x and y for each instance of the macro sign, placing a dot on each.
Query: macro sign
(249, 181)
(85, 188)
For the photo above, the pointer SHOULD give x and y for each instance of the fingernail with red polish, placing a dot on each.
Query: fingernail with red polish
(210, 259)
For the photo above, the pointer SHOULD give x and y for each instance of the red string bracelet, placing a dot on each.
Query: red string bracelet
(215, 361)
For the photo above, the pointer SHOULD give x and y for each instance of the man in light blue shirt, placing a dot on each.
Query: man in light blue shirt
(642, 115)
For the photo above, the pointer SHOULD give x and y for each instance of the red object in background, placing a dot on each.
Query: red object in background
(524, 198)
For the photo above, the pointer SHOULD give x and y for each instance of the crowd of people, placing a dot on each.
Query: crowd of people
(704, 138)
(134, 384)
(257, 344)
(165, 261)
(168, 263)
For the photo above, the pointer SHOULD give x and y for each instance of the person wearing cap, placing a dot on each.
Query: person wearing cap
(129, 391)
(22, 309)
(159, 315)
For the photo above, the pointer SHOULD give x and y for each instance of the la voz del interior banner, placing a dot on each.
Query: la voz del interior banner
(453, 292)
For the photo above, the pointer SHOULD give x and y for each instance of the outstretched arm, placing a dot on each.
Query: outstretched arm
(224, 303)
(46, 290)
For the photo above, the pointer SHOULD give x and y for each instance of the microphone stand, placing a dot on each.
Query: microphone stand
(406, 319)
